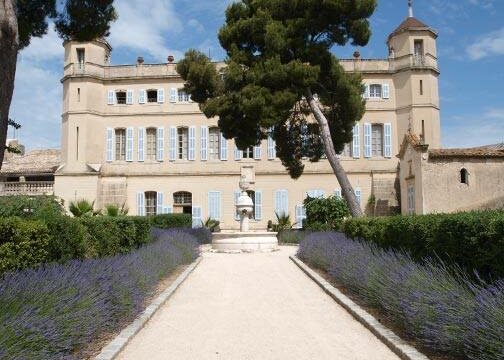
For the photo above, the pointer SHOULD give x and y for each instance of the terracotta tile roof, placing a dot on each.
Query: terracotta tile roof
(412, 139)
(488, 151)
(44, 161)
(410, 23)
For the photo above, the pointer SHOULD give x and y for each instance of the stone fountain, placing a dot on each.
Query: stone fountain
(244, 239)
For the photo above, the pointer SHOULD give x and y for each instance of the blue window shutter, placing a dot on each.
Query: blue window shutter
(111, 97)
(367, 140)
(356, 141)
(141, 96)
(173, 143)
(300, 216)
(258, 205)
(271, 146)
(173, 95)
(214, 205)
(129, 144)
(140, 204)
(257, 152)
(110, 144)
(204, 143)
(168, 209)
(281, 202)
(160, 96)
(192, 143)
(366, 92)
(160, 143)
(129, 97)
(159, 203)
(285, 202)
(358, 194)
(141, 143)
(223, 147)
(385, 91)
(238, 153)
(388, 139)
(236, 196)
(196, 217)
(337, 193)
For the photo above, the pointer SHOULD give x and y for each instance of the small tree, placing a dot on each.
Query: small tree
(278, 58)
(23, 19)
(325, 213)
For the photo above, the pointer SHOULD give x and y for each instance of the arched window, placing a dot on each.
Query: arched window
(182, 202)
(464, 176)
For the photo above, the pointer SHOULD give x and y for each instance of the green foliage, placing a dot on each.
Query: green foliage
(473, 240)
(291, 236)
(32, 18)
(67, 238)
(325, 213)
(29, 206)
(278, 50)
(85, 20)
(168, 221)
(115, 210)
(23, 243)
(283, 222)
(81, 208)
(212, 225)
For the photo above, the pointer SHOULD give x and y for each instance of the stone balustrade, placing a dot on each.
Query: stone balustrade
(26, 188)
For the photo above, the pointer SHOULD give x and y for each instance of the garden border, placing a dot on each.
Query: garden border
(400, 347)
(113, 348)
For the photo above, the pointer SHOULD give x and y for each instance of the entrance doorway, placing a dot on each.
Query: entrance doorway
(182, 202)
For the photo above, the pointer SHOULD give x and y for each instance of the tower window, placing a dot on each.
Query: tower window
(421, 87)
(120, 97)
(152, 96)
(375, 91)
(81, 59)
(464, 176)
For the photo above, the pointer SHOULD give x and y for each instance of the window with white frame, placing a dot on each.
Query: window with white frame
(377, 140)
(183, 96)
(151, 143)
(183, 143)
(150, 203)
(120, 97)
(375, 91)
(213, 143)
(120, 144)
(248, 153)
(152, 95)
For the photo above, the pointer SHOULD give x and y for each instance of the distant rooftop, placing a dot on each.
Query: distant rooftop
(487, 151)
(35, 162)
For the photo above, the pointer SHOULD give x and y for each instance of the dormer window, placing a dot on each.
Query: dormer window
(120, 97)
(375, 91)
(152, 96)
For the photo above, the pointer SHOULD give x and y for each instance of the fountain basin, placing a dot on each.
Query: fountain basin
(244, 241)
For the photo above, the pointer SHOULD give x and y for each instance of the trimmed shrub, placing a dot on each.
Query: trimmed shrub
(472, 240)
(325, 213)
(57, 310)
(169, 221)
(437, 305)
(22, 243)
(29, 206)
(67, 238)
(292, 236)
(203, 234)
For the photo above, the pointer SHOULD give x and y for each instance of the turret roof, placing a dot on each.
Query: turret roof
(411, 23)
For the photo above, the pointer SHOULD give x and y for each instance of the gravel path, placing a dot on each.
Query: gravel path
(253, 306)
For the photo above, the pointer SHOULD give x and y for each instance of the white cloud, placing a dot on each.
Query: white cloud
(491, 44)
(196, 25)
(145, 26)
(475, 130)
(47, 47)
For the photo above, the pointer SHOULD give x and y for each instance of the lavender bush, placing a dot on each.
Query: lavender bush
(436, 304)
(55, 311)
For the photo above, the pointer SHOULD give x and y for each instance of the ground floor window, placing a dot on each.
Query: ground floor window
(150, 203)
(182, 202)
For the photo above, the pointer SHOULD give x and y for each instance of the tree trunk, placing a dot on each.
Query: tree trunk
(346, 188)
(9, 46)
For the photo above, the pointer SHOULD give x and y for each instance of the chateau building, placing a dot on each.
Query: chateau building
(131, 135)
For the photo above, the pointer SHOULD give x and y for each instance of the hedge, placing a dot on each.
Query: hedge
(169, 221)
(29, 206)
(472, 240)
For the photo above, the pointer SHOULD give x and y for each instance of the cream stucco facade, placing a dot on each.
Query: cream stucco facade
(130, 135)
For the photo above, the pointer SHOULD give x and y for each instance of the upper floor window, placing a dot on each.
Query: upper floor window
(81, 59)
(377, 140)
(213, 143)
(152, 96)
(120, 97)
(183, 143)
(347, 150)
(183, 96)
(418, 47)
(150, 203)
(375, 91)
(248, 153)
(120, 144)
(151, 144)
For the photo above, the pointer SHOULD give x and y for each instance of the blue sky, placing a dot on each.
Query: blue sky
(470, 51)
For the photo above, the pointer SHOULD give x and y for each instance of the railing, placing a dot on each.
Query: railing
(27, 188)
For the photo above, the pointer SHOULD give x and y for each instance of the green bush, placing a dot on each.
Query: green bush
(23, 243)
(292, 236)
(29, 206)
(473, 240)
(325, 213)
(168, 221)
(67, 238)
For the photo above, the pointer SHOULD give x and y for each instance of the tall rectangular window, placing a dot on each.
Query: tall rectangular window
(120, 144)
(151, 144)
(375, 91)
(213, 143)
(81, 59)
(421, 87)
(183, 143)
(77, 144)
(411, 200)
(377, 140)
(248, 153)
(150, 203)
